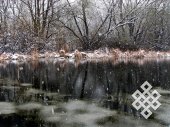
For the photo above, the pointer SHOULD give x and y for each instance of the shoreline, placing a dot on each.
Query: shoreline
(114, 54)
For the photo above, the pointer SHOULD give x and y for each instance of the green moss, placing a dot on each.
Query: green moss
(108, 119)
(80, 111)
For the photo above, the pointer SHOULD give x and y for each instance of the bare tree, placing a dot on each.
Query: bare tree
(41, 12)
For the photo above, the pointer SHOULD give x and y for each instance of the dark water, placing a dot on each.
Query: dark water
(90, 94)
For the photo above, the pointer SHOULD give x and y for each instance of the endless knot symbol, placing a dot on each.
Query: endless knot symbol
(146, 100)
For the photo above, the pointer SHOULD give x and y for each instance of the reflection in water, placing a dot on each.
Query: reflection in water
(48, 93)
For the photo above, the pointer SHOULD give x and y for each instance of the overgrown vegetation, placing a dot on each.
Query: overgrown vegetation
(44, 25)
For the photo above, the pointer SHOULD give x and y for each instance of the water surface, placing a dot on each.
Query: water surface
(52, 93)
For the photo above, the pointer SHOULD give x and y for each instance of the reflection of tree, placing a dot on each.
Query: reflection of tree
(115, 82)
(84, 81)
(73, 78)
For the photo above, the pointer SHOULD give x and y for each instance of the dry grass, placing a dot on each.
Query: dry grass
(34, 54)
(62, 53)
(3, 57)
(78, 55)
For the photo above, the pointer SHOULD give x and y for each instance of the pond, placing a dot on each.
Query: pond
(61, 93)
